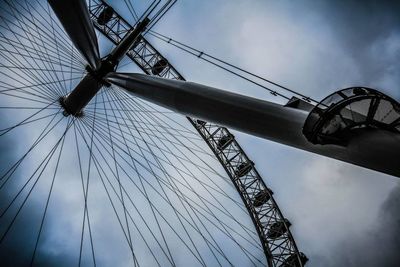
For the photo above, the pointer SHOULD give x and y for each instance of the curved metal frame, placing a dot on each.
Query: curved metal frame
(326, 110)
(279, 251)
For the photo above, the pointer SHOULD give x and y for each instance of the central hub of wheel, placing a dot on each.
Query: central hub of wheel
(74, 103)
(87, 88)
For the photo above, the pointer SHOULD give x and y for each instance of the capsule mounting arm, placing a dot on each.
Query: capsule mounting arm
(375, 149)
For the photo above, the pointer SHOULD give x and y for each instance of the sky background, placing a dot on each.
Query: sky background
(341, 215)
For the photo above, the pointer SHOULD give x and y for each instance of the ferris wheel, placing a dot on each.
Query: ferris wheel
(99, 165)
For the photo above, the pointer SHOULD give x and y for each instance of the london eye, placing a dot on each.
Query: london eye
(142, 167)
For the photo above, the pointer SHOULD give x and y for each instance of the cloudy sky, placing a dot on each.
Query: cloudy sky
(341, 215)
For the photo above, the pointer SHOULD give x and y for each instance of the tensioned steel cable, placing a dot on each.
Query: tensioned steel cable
(131, 10)
(224, 65)
(151, 165)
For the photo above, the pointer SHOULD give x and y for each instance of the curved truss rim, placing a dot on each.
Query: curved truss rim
(239, 180)
(137, 55)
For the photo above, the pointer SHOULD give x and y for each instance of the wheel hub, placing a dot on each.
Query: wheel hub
(74, 103)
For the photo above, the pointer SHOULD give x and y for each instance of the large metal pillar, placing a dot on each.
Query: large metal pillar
(374, 149)
(256, 196)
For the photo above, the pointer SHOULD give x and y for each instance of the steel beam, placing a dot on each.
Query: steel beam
(145, 55)
(374, 149)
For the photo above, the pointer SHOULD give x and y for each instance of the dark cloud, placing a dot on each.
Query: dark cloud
(390, 229)
(17, 247)
(378, 246)
(369, 31)
(13, 250)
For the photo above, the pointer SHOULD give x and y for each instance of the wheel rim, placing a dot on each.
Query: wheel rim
(145, 163)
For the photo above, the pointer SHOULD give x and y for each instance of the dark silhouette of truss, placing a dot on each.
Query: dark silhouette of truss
(280, 248)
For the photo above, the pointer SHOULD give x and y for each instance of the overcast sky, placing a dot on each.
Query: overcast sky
(341, 215)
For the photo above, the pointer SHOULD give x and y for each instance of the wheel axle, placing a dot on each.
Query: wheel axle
(90, 85)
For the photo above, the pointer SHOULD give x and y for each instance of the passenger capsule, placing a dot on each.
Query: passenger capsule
(262, 197)
(105, 15)
(200, 122)
(293, 261)
(277, 229)
(359, 91)
(244, 168)
(224, 141)
(159, 66)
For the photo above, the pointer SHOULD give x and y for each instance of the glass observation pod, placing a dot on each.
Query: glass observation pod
(105, 15)
(348, 112)
(225, 141)
(159, 66)
(244, 168)
(201, 123)
(262, 197)
(292, 260)
(277, 229)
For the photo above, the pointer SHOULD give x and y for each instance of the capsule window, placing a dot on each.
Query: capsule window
(277, 229)
(261, 198)
(386, 112)
(224, 141)
(159, 66)
(200, 122)
(243, 168)
(293, 260)
(105, 15)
